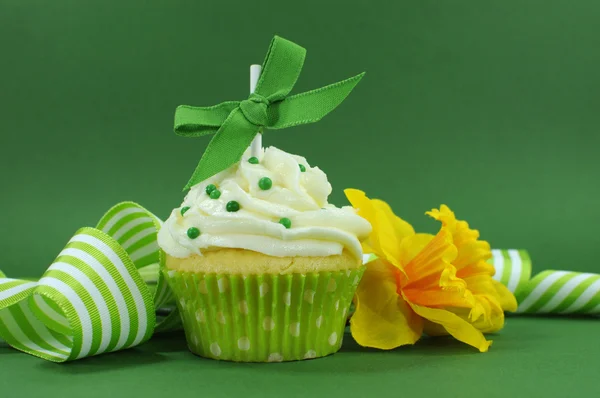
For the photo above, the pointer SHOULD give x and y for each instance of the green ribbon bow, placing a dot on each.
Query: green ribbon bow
(236, 123)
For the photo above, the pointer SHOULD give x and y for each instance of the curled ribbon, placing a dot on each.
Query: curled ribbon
(549, 292)
(103, 293)
(236, 123)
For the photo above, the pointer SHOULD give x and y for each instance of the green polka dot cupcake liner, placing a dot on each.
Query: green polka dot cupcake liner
(264, 318)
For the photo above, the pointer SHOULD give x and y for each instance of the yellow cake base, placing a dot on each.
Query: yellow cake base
(246, 262)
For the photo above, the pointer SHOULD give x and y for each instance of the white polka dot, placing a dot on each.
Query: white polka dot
(268, 323)
(295, 329)
(333, 338)
(263, 289)
(215, 349)
(244, 343)
(309, 296)
(202, 287)
(356, 280)
(182, 302)
(348, 272)
(195, 338)
(275, 357)
(200, 316)
(332, 285)
(344, 312)
(221, 317)
(171, 273)
(319, 321)
(287, 298)
(223, 285)
(337, 305)
(243, 307)
(310, 354)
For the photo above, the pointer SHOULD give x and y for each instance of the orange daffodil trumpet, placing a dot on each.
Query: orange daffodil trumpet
(420, 283)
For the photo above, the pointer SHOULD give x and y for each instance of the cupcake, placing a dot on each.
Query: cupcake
(264, 269)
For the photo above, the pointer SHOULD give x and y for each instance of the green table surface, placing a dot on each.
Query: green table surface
(532, 357)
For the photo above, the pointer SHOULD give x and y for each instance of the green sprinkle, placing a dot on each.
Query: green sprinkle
(265, 183)
(302, 168)
(253, 160)
(286, 222)
(215, 194)
(193, 233)
(184, 210)
(210, 188)
(232, 206)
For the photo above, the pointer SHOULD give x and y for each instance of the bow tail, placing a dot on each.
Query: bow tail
(196, 121)
(226, 147)
(310, 106)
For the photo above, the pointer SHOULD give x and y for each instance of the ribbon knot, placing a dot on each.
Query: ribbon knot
(254, 110)
(235, 123)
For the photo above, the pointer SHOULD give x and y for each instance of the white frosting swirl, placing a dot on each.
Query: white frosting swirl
(318, 228)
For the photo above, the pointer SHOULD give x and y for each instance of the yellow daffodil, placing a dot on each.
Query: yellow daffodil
(424, 283)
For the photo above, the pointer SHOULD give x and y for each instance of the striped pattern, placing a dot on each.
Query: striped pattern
(167, 314)
(135, 229)
(513, 267)
(99, 295)
(549, 292)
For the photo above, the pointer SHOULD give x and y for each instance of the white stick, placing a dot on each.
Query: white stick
(256, 146)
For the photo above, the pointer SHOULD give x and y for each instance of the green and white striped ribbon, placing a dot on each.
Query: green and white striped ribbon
(103, 293)
(549, 292)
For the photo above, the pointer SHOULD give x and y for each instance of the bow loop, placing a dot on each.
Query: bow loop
(236, 123)
(284, 63)
(254, 110)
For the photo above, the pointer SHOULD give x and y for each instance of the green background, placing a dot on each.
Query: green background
(489, 107)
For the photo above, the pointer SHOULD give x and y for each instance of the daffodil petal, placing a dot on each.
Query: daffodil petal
(500, 298)
(491, 297)
(431, 267)
(412, 245)
(441, 298)
(490, 323)
(389, 243)
(367, 248)
(471, 251)
(474, 255)
(388, 229)
(459, 328)
(401, 228)
(493, 322)
(486, 315)
(364, 206)
(382, 318)
(507, 300)
(477, 268)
